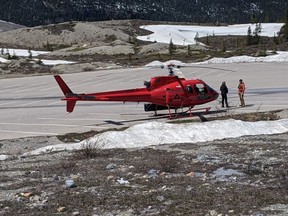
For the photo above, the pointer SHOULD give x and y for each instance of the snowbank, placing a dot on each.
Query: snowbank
(157, 133)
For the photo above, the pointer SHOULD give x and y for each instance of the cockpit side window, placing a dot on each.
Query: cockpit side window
(189, 89)
(201, 89)
(196, 88)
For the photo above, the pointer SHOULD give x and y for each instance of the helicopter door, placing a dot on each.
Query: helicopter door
(189, 89)
(201, 91)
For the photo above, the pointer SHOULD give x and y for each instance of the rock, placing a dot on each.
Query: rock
(189, 188)
(111, 177)
(70, 183)
(111, 166)
(191, 174)
(35, 198)
(152, 191)
(122, 181)
(27, 194)
(154, 48)
(5, 157)
(61, 209)
(73, 68)
(160, 198)
(212, 213)
(124, 169)
(2, 71)
(74, 177)
(283, 114)
(153, 173)
(55, 177)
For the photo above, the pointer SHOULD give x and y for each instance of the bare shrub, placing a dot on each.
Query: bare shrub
(67, 165)
(110, 38)
(62, 167)
(225, 114)
(168, 163)
(89, 149)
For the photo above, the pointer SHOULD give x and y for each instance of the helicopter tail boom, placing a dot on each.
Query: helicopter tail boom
(70, 97)
(64, 87)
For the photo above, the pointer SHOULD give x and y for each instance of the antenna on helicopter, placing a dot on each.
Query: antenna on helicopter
(174, 70)
(173, 67)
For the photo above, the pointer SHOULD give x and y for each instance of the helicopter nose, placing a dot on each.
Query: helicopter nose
(215, 95)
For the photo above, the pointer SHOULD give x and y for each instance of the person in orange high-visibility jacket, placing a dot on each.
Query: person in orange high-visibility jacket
(241, 91)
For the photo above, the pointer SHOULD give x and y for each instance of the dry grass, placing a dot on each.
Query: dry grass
(89, 149)
(170, 192)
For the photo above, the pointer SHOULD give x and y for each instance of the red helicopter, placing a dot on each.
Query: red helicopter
(160, 93)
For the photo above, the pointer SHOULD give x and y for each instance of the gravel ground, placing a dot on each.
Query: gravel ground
(242, 176)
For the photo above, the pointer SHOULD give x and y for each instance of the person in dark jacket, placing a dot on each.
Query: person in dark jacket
(224, 92)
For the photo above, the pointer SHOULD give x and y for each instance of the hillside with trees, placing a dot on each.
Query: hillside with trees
(34, 13)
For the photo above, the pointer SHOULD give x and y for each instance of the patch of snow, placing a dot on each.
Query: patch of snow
(281, 56)
(185, 35)
(22, 52)
(4, 157)
(157, 133)
(55, 62)
(3, 60)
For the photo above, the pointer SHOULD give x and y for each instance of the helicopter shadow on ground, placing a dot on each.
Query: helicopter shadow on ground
(174, 116)
(201, 114)
(239, 107)
(122, 123)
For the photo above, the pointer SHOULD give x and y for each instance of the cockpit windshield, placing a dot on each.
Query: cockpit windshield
(200, 88)
(209, 88)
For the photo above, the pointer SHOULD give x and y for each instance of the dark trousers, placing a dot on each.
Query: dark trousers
(224, 99)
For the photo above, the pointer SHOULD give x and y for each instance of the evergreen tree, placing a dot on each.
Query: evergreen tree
(39, 61)
(48, 46)
(29, 54)
(275, 39)
(249, 37)
(196, 38)
(237, 43)
(258, 29)
(223, 47)
(274, 48)
(8, 56)
(253, 19)
(14, 56)
(240, 50)
(255, 38)
(286, 27)
(262, 46)
(189, 50)
(171, 47)
(207, 40)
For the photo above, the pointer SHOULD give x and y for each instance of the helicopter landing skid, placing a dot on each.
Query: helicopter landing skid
(185, 114)
(204, 108)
